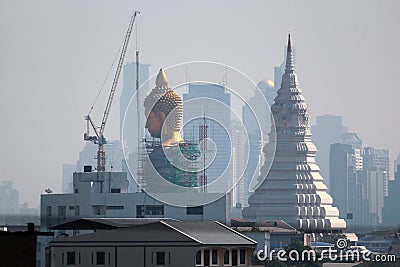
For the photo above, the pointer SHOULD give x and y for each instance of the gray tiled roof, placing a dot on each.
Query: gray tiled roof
(105, 223)
(193, 233)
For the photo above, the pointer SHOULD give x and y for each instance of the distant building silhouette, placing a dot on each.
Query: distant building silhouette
(391, 211)
(129, 90)
(327, 130)
(66, 183)
(9, 199)
(347, 188)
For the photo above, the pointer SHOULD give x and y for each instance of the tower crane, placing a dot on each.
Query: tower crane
(99, 138)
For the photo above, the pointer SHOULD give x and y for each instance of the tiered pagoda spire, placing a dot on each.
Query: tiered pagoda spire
(293, 189)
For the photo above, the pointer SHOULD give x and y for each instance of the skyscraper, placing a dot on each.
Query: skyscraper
(9, 201)
(67, 181)
(396, 162)
(391, 211)
(375, 176)
(347, 189)
(257, 130)
(129, 107)
(129, 89)
(378, 159)
(327, 130)
(293, 189)
(213, 102)
(240, 191)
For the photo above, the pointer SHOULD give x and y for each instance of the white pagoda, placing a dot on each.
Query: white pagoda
(293, 190)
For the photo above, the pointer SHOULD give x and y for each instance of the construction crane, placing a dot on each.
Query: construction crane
(99, 138)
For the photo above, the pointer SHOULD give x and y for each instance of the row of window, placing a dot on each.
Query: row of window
(99, 258)
(232, 257)
(141, 210)
(62, 211)
(112, 190)
(73, 258)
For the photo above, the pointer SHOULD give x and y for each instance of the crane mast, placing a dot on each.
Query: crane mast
(99, 138)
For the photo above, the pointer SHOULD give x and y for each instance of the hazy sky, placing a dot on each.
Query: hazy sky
(54, 56)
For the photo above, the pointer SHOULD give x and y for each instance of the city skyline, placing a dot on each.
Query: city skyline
(52, 67)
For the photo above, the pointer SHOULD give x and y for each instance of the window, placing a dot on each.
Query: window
(206, 257)
(62, 212)
(76, 190)
(100, 258)
(160, 258)
(71, 207)
(114, 207)
(234, 257)
(214, 256)
(143, 210)
(194, 210)
(77, 211)
(115, 190)
(48, 210)
(198, 257)
(226, 257)
(242, 256)
(99, 210)
(70, 258)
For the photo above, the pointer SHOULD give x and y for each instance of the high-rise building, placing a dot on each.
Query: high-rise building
(396, 163)
(213, 102)
(9, 201)
(293, 190)
(378, 159)
(240, 191)
(347, 188)
(129, 90)
(327, 130)
(391, 211)
(257, 130)
(375, 176)
(66, 183)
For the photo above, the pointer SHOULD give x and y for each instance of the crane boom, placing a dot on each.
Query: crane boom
(117, 73)
(99, 138)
